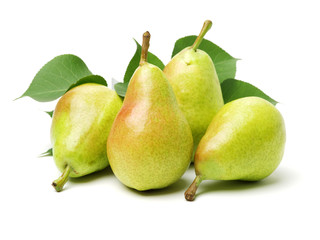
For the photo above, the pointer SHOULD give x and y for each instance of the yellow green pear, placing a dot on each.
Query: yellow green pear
(245, 141)
(80, 127)
(150, 143)
(196, 86)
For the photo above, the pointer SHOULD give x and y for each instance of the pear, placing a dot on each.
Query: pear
(150, 143)
(245, 141)
(195, 83)
(80, 127)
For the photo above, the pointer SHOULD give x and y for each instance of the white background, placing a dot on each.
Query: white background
(278, 42)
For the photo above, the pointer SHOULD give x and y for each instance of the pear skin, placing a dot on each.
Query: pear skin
(80, 127)
(196, 86)
(150, 143)
(245, 141)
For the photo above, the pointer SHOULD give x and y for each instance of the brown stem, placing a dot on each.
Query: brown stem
(145, 47)
(190, 194)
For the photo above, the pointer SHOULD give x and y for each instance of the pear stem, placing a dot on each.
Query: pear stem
(190, 194)
(144, 48)
(61, 181)
(206, 27)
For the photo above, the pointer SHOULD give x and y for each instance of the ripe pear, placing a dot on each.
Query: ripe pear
(195, 83)
(150, 143)
(80, 127)
(245, 141)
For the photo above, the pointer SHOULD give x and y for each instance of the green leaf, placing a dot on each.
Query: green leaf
(55, 78)
(47, 153)
(224, 63)
(134, 63)
(89, 79)
(121, 88)
(233, 89)
(50, 113)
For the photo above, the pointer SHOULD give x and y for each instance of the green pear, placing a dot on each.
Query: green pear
(150, 143)
(80, 127)
(195, 83)
(245, 141)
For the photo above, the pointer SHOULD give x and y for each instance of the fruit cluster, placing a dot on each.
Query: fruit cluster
(166, 121)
